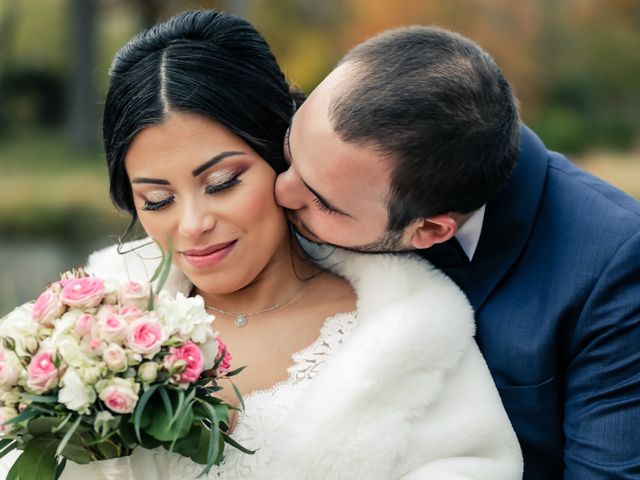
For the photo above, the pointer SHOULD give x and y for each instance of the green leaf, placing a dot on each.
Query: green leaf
(60, 467)
(161, 273)
(137, 414)
(161, 428)
(108, 450)
(168, 406)
(235, 372)
(12, 474)
(164, 273)
(67, 436)
(189, 443)
(5, 441)
(43, 425)
(38, 462)
(39, 398)
(238, 394)
(214, 450)
(184, 403)
(61, 425)
(235, 444)
(26, 414)
(7, 447)
(77, 453)
(199, 454)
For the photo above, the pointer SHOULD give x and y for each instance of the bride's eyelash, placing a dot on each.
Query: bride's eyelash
(323, 207)
(208, 189)
(151, 206)
(220, 187)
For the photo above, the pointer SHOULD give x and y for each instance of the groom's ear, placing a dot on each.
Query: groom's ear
(427, 232)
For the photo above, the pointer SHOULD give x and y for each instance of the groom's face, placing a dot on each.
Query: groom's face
(335, 192)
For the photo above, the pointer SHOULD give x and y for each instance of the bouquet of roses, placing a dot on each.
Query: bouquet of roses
(94, 368)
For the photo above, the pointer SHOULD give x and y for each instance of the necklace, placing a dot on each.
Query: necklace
(240, 319)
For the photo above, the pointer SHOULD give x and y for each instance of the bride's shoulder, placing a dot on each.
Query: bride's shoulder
(136, 260)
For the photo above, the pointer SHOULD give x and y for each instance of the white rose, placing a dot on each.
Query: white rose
(6, 414)
(90, 375)
(120, 395)
(73, 352)
(10, 397)
(65, 325)
(104, 422)
(74, 393)
(185, 316)
(10, 369)
(115, 358)
(20, 326)
(111, 288)
(134, 294)
(148, 372)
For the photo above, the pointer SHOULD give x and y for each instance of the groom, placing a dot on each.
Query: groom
(414, 143)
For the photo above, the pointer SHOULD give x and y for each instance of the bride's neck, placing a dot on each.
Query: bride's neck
(284, 275)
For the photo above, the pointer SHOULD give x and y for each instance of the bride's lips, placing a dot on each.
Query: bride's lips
(209, 256)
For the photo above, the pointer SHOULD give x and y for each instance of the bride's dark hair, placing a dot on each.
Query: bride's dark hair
(203, 62)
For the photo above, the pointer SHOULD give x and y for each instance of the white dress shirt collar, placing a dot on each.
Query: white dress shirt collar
(469, 234)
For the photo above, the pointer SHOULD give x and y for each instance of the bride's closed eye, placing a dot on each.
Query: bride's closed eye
(217, 182)
(221, 181)
(157, 200)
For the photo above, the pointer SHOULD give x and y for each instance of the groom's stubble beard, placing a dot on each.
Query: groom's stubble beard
(389, 242)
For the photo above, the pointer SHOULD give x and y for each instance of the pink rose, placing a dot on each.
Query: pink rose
(115, 358)
(120, 395)
(112, 328)
(130, 313)
(82, 292)
(225, 363)
(84, 325)
(47, 308)
(10, 369)
(94, 346)
(42, 373)
(134, 294)
(190, 354)
(146, 336)
(105, 311)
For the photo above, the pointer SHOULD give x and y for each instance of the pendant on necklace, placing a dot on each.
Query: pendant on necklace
(240, 321)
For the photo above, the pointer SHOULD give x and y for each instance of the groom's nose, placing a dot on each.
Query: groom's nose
(290, 191)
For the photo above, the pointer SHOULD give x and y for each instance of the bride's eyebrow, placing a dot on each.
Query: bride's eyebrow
(197, 171)
(158, 181)
(209, 163)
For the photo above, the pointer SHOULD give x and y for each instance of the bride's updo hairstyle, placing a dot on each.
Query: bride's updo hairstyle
(203, 62)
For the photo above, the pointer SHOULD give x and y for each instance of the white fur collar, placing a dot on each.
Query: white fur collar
(414, 326)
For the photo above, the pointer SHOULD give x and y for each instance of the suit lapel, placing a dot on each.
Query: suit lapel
(508, 221)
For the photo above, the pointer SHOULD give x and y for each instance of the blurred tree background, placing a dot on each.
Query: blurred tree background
(574, 65)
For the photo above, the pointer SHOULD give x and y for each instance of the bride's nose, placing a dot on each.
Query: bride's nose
(195, 219)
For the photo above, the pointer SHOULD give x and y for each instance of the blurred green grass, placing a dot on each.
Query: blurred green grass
(48, 189)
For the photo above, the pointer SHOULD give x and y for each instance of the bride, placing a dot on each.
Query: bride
(358, 366)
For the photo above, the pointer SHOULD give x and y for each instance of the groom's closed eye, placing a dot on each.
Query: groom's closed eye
(320, 202)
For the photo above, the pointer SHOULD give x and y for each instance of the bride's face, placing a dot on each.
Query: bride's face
(205, 189)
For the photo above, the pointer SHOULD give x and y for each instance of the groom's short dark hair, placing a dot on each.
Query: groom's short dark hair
(439, 107)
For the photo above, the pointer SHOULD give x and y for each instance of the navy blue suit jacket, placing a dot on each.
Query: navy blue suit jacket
(555, 282)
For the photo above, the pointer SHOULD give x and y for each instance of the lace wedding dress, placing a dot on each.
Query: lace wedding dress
(266, 410)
